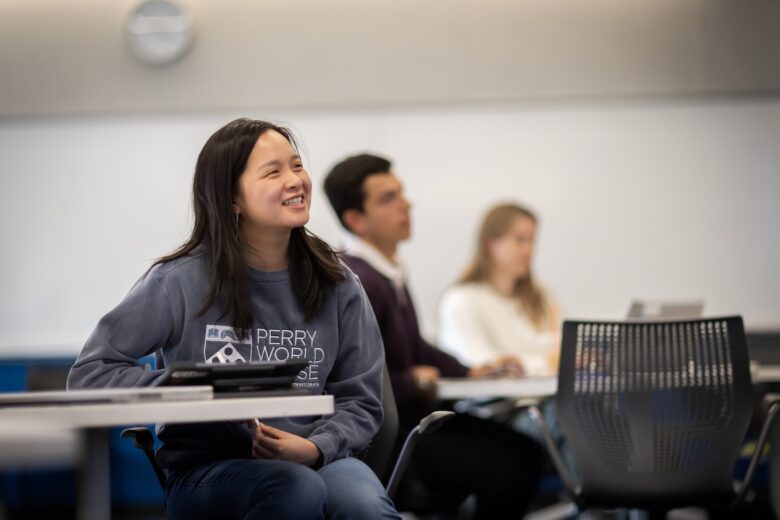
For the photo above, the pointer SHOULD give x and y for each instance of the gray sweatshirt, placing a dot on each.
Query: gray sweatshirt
(160, 315)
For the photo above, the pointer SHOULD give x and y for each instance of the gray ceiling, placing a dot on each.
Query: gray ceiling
(69, 57)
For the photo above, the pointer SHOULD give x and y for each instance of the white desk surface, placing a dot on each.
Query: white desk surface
(464, 388)
(91, 422)
(105, 395)
(766, 374)
(143, 412)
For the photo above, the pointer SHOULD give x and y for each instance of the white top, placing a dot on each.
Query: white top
(478, 325)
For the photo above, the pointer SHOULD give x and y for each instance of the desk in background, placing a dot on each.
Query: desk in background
(521, 387)
(765, 373)
(527, 387)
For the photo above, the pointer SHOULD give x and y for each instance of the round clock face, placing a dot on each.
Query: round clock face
(159, 32)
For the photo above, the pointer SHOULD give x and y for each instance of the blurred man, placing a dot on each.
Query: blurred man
(468, 455)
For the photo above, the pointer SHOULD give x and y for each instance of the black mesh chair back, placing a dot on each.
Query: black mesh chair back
(655, 412)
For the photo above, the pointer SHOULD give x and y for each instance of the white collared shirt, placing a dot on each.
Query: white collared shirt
(393, 270)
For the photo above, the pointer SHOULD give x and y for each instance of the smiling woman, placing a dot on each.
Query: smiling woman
(245, 173)
(273, 196)
(250, 267)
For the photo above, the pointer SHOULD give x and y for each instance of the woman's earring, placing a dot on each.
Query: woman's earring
(237, 214)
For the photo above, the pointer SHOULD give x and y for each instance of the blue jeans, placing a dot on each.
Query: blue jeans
(257, 488)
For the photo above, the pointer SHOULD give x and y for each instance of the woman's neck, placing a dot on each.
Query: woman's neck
(503, 283)
(266, 251)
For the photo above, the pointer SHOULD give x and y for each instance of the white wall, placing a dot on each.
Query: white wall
(672, 199)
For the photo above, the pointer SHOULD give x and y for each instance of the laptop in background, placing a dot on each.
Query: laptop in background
(665, 309)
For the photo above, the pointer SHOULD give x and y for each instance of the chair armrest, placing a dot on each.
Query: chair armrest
(485, 408)
(774, 409)
(428, 425)
(433, 421)
(143, 439)
(555, 455)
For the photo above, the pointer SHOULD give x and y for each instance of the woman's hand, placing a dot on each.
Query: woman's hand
(276, 444)
(425, 376)
(510, 366)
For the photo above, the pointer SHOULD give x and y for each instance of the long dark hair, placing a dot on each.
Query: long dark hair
(313, 265)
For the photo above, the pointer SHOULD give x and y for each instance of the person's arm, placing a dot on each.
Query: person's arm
(460, 332)
(355, 381)
(429, 355)
(405, 388)
(447, 364)
(488, 364)
(402, 378)
(554, 317)
(141, 324)
(554, 352)
(272, 443)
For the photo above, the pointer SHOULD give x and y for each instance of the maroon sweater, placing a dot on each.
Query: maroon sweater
(404, 346)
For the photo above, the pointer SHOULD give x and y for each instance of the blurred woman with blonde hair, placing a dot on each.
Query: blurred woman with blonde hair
(497, 310)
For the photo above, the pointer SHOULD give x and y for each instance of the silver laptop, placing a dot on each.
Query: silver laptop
(106, 395)
(663, 309)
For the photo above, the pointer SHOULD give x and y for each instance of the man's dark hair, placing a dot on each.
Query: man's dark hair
(344, 182)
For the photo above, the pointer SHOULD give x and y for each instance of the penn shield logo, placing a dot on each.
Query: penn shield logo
(222, 345)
